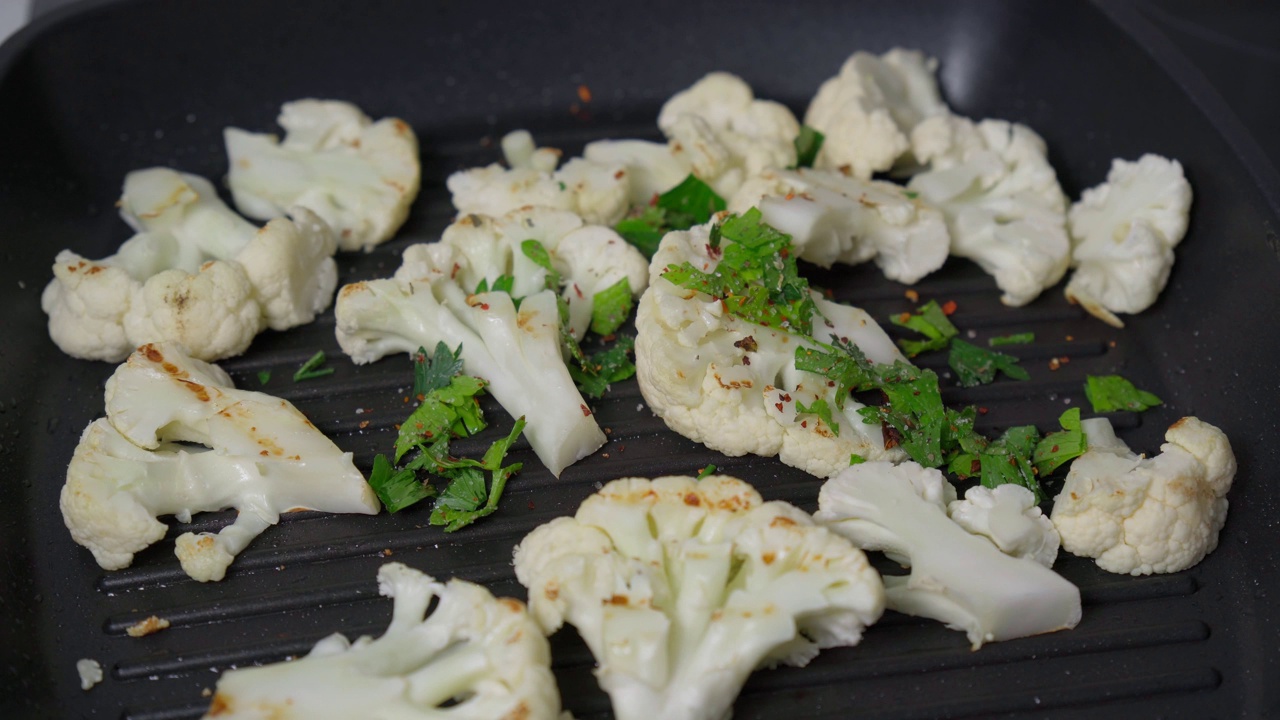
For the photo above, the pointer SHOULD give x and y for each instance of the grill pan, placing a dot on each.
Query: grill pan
(94, 91)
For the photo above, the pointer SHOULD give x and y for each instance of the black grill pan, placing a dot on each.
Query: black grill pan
(89, 93)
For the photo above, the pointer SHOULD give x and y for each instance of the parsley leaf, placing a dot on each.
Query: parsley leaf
(913, 409)
(610, 307)
(1109, 393)
(690, 203)
(535, 251)
(1007, 460)
(706, 471)
(311, 368)
(645, 230)
(397, 489)
(807, 143)
(977, 366)
(450, 411)
(928, 320)
(855, 459)
(1017, 339)
(604, 368)
(432, 372)
(264, 376)
(820, 408)
(467, 499)
(1058, 447)
(843, 363)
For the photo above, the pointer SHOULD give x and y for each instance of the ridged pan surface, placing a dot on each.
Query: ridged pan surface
(90, 94)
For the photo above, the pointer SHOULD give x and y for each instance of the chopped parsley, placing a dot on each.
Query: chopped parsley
(978, 366)
(706, 471)
(690, 203)
(312, 368)
(1016, 339)
(1058, 447)
(502, 283)
(928, 320)
(1110, 393)
(604, 368)
(807, 143)
(264, 377)
(610, 307)
(820, 408)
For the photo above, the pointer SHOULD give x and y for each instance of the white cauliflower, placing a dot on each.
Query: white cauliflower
(652, 167)
(195, 273)
(598, 192)
(833, 218)
(90, 672)
(1007, 515)
(956, 577)
(682, 587)
(516, 352)
(259, 455)
(868, 110)
(1001, 198)
(1124, 232)
(359, 176)
(588, 258)
(1139, 515)
(473, 658)
(721, 380)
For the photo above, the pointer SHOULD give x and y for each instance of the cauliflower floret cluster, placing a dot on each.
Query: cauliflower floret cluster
(256, 453)
(196, 273)
(834, 218)
(868, 110)
(474, 657)
(957, 576)
(1124, 232)
(682, 587)
(724, 381)
(1004, 207)
(357, 175)
(1138, 515)
(1007, 515)
(598, 192)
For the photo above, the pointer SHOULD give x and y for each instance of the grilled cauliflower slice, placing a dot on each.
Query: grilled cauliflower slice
(1007, 515)
(868, 110)
(956, 577)
(833, 218)
(682, 587)
(1138, 515)
(1001, 198)
(259, 455)
(359, 176)
(473, 658)
(597, 192)
(1124, 232)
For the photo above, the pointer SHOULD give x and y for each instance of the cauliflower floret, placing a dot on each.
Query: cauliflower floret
(359, 176)
(588, 258)
(597, 192)
(1007, 516)
(90, 672)
(213, 313)
(1140, 515)
(833, 218)
(957, 577)
(259, 455)
(732, 385)
(1124, 232)
(291, 267)
(473, 658)
(868, 111)
(682, 587)
(86, 303)
(651, 166)
(1001, 198)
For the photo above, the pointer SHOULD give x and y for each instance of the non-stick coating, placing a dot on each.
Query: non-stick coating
(87, 95)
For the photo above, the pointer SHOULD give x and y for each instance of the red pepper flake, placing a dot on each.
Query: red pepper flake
(1070, 338)
(604, 455)
(912, 295)
(608, 431)
(828, 293)
(949, 307)
(804, 423)
(586, 412)
(784, 253)
(1053, 449)
(1064, 359)
(454, 273)
(578, 291)
(584, 93)
(790, 196)
(406, 399)
(779, 406)
(530, 504)
(747, 344)
(364, 424)
(653, 201)
(785, 397)
(746, 360)
(486, 141)
(484, 306)
(1111, 344)
(904, 317)
(386, 552)
(983, 411)
(622, 448)
(1054, 364)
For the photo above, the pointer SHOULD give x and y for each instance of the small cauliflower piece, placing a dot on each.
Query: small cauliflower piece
(651, 166)
(1004, 207)
(597, 192)
(723, 381)
(257, 454)
(956, 577)
(1007, 515)
(86, 303)
(868, 110)
(1140, 516)
(682, 587)
(359, 176)
(291, 267)
(833, 218)
(473, 658)
(90, 672)
(212, 313)
(1124, 232)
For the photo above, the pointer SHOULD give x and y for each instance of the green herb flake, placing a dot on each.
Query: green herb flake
(535, 251)
(1017, 339)
(843, 363)
(264, 376)
(690, 203)
(928, 320)
(856, 459)
(397, 489)
(978, 366)
(706, 471)
(646, 230)
(604, 368)
(807, 143)
(467, 498)
(610, 308)
(820, 408)
(1111, 393)
(913, 410)
(432, 372)
(1007, 460)
(312, 368)
(1058, 447)
(911, 194)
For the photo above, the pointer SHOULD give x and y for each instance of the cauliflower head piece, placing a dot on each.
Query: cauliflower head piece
(1139, 516)
(868, 110)
(1008, 516)
(1124, 232)
(682, 587)
(359, 176)
(179, 439)
(1001, 198)
(596, 191)
(724, 381)
(833, 218)
(957, 577)
(474, 657)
